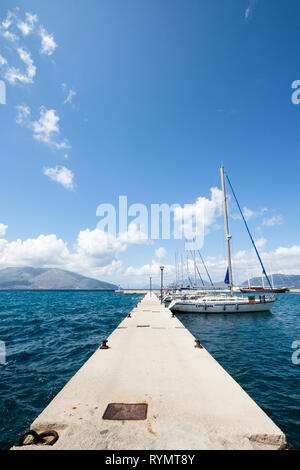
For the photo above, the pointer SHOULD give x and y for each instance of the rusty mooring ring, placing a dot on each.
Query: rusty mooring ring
(54, 439)
(39, 439)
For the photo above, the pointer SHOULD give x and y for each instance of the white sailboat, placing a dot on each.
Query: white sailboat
(229, 303)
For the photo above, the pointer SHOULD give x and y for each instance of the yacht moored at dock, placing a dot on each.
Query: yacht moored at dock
(266, 290)
(221, 304)
(217, 302)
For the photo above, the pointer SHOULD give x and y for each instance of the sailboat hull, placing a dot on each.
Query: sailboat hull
(245, 307)
(255, 290)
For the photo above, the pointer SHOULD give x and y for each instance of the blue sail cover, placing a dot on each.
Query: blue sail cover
(226, 280)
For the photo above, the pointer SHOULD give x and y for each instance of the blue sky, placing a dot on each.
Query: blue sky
(162, 93)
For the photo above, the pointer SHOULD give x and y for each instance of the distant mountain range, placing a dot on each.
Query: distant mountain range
(59, 279)
(42, 278)
(280, 280)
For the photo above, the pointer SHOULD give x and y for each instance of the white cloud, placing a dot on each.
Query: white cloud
(61, 175)
(27, 26)
(69, 93)
(247, 13)
(3, 229)
(46, 129)
(26, 58)
(134, 235)
(250, 9)
(62, 145)
(31, 19)
(8, 21)
(161, 254)
(48, 43)
(23, 114)
(272, 221)
(14, 75)
(285, 260)
(47, 126)
(41, 251)
(142, 273)
(261, 242)
(97, 248)
(6, 25)
(96, 254)
(24, 28)
(3, 61)
(9, 28)
(9, 36)
(70, 96)
(203, 209)
(249, 213)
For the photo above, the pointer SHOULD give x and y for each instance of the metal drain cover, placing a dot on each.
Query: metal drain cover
(126, 411)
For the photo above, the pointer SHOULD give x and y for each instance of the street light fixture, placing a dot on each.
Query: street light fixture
(161, 283)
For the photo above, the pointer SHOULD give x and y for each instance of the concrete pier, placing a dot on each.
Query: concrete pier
(192, 403)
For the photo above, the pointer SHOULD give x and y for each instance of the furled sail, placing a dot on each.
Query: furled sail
(226, 280)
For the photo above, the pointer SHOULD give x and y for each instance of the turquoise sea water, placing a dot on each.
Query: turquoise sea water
(49, 335)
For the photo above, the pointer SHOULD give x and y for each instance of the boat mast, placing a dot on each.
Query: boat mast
(176, 270)
(187, 268)
(195, 271)
(182, 280)
(228, 236)
(248, 275)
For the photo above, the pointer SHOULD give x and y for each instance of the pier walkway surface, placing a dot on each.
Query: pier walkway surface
(185, 399)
